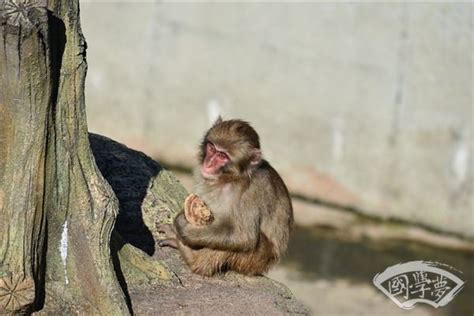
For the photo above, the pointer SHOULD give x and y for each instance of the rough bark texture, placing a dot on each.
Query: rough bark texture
(50, 187)
(25, 96)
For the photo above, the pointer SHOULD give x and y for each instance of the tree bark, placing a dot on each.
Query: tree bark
(56, 210)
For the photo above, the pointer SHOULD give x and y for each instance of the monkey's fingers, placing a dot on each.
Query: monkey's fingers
(169, 242)
(167, 229)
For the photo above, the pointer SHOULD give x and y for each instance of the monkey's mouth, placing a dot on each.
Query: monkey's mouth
(208, 172)
(210, 167)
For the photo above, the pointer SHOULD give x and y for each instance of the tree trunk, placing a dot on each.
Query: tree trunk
(56, 210)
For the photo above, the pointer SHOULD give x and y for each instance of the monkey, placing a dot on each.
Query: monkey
(251, 214)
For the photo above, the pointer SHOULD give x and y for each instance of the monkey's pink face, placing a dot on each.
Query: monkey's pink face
(214, 161)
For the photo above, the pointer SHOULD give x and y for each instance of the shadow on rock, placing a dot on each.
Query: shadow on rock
(129, 172)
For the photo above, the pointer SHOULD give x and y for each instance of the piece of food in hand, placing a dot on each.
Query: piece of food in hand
(196, 211)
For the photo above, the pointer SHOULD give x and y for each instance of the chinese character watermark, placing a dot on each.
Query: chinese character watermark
(418, 282)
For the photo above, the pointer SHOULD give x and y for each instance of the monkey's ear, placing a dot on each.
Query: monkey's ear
(219, 120)
(256, 157)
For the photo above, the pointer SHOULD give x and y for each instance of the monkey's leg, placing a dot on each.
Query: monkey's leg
(249, 263)
(204, 261)
(255, 262)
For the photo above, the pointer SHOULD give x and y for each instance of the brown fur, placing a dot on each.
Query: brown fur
(252, 210)
(207, 261)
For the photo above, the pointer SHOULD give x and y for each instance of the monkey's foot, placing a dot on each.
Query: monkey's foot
(196, 211)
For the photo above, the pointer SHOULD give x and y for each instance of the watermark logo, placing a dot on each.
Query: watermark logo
(419, 282)
(16, 11)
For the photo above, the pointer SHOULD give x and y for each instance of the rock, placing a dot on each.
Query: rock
(148, 194)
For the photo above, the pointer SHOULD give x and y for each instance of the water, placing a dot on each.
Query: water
(318, 255)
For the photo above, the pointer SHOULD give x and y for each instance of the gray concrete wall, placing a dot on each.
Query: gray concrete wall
(366, 105)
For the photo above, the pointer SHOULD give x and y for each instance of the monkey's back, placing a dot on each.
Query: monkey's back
(275, 206)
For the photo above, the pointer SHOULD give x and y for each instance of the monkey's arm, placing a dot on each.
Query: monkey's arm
(223, 233)
(170, 233)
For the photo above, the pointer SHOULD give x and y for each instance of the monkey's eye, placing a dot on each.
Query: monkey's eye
(222, 155)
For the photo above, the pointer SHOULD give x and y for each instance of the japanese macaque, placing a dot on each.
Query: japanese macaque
(241, 215)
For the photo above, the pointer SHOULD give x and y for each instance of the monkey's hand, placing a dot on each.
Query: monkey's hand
(196, 211)
(170, 235)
